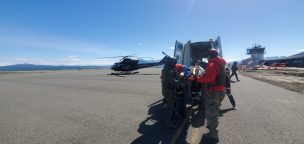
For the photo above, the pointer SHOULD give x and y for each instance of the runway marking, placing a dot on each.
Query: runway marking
(179, 131)
(195, 133)
(181, 127)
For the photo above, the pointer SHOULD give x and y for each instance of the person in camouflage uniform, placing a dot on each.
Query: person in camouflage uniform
(228, 87)
(169, 79)
(234, 69)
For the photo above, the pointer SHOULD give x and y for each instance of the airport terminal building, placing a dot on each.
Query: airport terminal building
(257, 58)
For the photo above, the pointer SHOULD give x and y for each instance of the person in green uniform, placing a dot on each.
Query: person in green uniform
(169, 79)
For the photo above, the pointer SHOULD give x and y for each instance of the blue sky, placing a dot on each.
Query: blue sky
(74, 32)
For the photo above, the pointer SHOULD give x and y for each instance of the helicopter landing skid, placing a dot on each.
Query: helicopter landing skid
(124, 73)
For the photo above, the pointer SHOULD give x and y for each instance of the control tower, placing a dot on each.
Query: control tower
(257, 54)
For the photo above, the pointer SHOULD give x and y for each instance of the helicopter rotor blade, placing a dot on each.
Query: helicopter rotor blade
(106, 57)
(132, 55)
(149, 58)
(116, 57)
(164, 53)
(122, 57)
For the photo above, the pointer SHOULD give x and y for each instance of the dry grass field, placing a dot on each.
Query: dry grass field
(288, 78)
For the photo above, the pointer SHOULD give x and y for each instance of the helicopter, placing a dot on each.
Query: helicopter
(126, 65)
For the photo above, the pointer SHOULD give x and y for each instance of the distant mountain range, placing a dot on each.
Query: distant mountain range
(32, 67)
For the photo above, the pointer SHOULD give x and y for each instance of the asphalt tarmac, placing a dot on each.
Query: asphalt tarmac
(92, 107)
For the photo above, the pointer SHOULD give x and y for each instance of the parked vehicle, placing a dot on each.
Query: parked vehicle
(189, 53)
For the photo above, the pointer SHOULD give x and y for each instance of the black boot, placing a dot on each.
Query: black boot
(231, 99)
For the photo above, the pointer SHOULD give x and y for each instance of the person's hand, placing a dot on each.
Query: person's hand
(191, 78)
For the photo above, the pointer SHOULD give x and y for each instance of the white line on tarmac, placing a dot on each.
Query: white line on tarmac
(181, 127)
(195, 135)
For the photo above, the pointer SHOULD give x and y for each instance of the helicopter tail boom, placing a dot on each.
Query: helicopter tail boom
(146, 65)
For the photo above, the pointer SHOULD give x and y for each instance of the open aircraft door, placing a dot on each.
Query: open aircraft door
(187, 54)
(178, 50)
(217, 45)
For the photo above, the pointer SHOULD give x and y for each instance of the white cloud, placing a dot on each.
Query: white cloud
(172, 48)
(300, 50)
(28, 41)
(70, 60)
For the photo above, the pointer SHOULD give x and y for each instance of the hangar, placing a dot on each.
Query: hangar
(296, 60)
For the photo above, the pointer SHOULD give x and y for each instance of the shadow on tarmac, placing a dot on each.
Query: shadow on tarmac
(146, 74)
(154, 132)
(223, 111)
(196, 120)
(152, 128)
(133, 73)
(204, 140)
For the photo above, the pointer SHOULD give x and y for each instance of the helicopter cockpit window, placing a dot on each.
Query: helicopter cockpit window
(117, 64)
